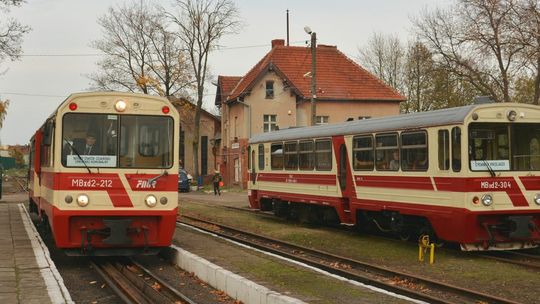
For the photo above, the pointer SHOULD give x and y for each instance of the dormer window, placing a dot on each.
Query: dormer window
(269, 89)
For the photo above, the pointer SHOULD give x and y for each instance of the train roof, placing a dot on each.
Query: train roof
(399, 122)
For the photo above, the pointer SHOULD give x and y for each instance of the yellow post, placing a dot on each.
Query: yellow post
(423, 245)
(432, 254)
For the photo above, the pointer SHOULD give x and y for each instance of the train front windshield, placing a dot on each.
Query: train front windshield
(117, 141)
(504, 147)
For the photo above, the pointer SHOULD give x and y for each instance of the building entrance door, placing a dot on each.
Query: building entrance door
(236, 170)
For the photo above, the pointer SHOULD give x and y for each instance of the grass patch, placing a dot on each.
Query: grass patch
(455, 267)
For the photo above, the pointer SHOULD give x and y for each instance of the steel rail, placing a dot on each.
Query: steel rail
(530, 261)
(134, 284)
(372, 274)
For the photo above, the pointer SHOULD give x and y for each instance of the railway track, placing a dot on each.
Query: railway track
(529, 260)
(413, 286)
(135, 284)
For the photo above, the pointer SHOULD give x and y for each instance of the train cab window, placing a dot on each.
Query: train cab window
(387, 152)
(291, 155)
(149, 141)
(261, 157)
(323, 154)
(414, 152)
(89, 140)
(444, 150)
(363, 153)
(306, 156)
(456, 149)
(276, 156)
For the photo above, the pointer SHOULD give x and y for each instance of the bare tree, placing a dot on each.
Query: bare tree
(384, 56)
(201, 24)
(526, 27)
(419, 70)
(141, 54)
(475, 41)
(11, 32)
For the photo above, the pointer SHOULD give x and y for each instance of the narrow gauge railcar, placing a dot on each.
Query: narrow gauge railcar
(468, 175)
(103, 173)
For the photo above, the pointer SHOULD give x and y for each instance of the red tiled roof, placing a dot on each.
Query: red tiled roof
(226, 84)
(338, 77)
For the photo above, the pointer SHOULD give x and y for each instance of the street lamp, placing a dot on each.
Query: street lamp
(313, 35)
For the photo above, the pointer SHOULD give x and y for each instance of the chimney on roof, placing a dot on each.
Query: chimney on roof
(278, 42)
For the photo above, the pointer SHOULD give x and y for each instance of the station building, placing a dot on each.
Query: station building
(275, 94)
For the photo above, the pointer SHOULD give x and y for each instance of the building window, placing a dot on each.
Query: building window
(204, 155)
(269, 89)
(414, 151)
(270, 123)
(321, 120)
(182, 151)
(363, 152)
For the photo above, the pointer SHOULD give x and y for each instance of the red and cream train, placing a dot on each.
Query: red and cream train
(103, 173)
(468, 175)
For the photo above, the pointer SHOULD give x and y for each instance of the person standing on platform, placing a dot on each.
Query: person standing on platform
(217, 180)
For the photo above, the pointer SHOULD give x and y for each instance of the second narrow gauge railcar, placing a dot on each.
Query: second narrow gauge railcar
(103, 173)
(468, 175)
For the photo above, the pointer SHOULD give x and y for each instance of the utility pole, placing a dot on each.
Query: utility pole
(313, 74)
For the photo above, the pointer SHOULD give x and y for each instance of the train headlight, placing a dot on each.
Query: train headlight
(150, 201)
(487, 200)
(163, 200)
(83, 200)
(511, 115)
(120, 106)
(537, 198)
(68, 199)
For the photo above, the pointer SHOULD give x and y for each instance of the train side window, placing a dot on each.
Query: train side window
(276, 156)
(261, 157)
(444, 150)
(291, 155)
(323, 154)
(387, 152)
(414, 151)
(306, 157)
(456, 149)
(363, 152)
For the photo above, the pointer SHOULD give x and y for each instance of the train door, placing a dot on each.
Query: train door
(342, 168)
(253, 176)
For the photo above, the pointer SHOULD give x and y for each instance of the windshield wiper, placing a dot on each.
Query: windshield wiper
(152, 180)
(491, 171)
(78, 155)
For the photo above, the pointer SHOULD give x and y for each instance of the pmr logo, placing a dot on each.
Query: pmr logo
(145, 184)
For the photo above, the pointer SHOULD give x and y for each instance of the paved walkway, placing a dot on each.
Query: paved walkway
(27, 274)
(235, 199)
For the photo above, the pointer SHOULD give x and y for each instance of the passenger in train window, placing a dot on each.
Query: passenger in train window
(394, 163)
(421, 162)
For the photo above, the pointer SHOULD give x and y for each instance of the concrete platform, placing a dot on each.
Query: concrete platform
(27, 274)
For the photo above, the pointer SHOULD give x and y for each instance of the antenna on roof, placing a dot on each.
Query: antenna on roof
(287, 27)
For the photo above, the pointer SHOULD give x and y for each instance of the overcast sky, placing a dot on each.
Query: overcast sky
(45, 75)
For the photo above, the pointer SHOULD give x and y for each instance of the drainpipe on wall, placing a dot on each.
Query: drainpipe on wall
(249, 136)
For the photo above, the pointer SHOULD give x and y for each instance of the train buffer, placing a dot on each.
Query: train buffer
(423, 246)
